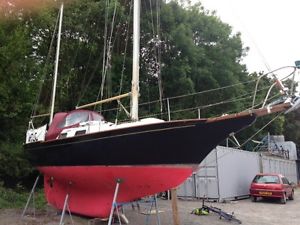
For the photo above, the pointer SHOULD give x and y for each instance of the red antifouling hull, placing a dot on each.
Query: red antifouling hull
(91, 188)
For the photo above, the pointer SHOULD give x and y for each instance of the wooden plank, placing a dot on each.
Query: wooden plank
(174, 206)
(104, 101)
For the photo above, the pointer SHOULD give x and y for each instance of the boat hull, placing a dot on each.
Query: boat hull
(91, 188)
(86, 167)
(165, 143)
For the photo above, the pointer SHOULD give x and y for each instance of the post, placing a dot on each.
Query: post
(174, 206)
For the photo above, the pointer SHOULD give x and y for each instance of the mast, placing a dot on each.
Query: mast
(56, 63)
(135, 61)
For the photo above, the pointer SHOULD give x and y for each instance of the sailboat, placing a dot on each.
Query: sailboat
(83, 156)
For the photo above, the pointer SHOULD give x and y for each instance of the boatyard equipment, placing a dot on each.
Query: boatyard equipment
(204, 210)
(31, 196)
(114, 205)
(66, 207)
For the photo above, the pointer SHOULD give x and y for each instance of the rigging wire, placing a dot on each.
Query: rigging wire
(238, 98)
(33, 112)
(151, 12)
(279, 114)
(264, 60)
(156, 48)
(192, 94)
(108, 55)
(211, 90)
(124, 58)
(158, 26)
(85, 86)
(104, 41)
(249, 139)
(103, 58)
(153, 35)
(75, 57)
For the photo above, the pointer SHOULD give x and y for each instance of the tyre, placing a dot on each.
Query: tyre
(291, 197)
(253, 198)
(283, 198)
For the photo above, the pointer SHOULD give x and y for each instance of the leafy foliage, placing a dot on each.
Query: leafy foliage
(17, 197)
(292, 127)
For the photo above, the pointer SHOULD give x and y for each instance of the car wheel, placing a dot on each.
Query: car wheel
(283, 198)
(291, 197)
(253, 198)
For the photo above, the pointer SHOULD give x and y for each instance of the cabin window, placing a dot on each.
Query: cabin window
(75, 118)
(63, 135)
(80, 132)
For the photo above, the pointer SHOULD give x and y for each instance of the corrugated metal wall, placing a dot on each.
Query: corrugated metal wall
(226, 173)
(275, 165)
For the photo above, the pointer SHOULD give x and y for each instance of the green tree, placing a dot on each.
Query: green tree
(16, 89)
(292, 127)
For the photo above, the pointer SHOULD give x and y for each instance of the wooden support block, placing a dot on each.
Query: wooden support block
(174, 206)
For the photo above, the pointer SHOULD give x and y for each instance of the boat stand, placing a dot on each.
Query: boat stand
(66, 207)
(148, 211)
(31, 196)
(115, 207)
(114, 204)
(154, 202)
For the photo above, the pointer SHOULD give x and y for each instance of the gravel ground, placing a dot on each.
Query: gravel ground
(263, 212)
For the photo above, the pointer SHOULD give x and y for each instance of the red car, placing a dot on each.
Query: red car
(271, 186)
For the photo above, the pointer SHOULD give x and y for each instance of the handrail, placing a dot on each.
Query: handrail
(277, 82)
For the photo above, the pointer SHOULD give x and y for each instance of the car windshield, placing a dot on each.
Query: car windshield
(266, 179)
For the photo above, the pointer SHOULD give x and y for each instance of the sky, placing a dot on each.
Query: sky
(271, 28)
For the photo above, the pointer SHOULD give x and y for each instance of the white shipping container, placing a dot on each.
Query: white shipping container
(226, 173)
(285, 167)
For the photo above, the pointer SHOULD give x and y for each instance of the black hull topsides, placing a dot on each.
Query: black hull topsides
(175, 142)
